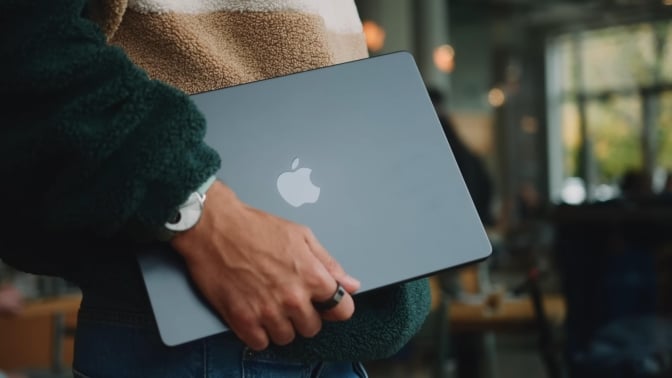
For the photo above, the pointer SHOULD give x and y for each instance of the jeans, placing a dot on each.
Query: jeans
(127, 344)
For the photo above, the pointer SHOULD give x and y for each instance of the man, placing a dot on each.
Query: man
(107, 154)
(471, 166)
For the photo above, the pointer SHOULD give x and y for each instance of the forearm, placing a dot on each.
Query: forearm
(90, 142)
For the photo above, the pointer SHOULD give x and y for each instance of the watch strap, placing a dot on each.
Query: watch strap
(164, 234)
(206, 185)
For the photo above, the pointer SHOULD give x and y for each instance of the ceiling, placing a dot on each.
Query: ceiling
(554, 13)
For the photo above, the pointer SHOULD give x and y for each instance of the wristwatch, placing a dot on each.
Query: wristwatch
(188, 214)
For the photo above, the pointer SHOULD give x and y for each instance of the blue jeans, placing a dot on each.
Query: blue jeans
(126, 344)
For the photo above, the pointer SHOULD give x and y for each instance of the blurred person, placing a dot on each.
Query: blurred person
(103, 147)
(474, 174)
(636, 185)
(468, 348)
(667, 187)
(666, 192)
(530, 203)
(471, 165)
(531, 233)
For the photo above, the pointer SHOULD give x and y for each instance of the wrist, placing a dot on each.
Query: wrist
(188, 214)
(219, 197)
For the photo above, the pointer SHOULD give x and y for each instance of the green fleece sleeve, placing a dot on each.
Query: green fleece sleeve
(384, 321)
(88, 143)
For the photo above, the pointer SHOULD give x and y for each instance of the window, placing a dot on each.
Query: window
(609, 106)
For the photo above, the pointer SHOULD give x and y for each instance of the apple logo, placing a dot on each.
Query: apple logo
(295, 186)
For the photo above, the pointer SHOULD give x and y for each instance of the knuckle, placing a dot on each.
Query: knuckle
(315, 279)
(257, 343)
(267, 312)
(244, 319)
(305, 230)
(297, 236)
(293, 300)
(254, 337)
(284, 338)
(312, 330)
(330, 263)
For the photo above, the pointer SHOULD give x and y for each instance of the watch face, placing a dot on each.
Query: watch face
(189, 214)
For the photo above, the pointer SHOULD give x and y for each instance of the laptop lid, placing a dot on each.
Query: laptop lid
(356, 152)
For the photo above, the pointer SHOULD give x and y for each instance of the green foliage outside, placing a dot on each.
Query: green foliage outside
(613, 66)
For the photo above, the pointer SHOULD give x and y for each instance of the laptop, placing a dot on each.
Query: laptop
(356, 152)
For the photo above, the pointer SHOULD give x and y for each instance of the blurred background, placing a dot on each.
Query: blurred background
(560, 115)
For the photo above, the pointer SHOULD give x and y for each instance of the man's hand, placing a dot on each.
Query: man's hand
(11, 300)
(260, 272)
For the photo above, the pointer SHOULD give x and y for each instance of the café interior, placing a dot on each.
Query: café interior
(563, 111)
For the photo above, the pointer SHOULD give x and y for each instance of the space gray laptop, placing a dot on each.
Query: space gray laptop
(356, 152)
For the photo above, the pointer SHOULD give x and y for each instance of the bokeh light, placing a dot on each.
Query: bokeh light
(444, 58)
(374, 34)
(496, 97)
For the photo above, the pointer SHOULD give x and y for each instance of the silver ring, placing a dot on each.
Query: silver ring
(333, 301)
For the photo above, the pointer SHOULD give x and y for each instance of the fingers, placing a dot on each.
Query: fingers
(346, 307)
(342, 311)
(305, 318)
(300, 318)
(250, 332)
(280, 330)
(279, 322)
(263, 274)
(349, 283)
